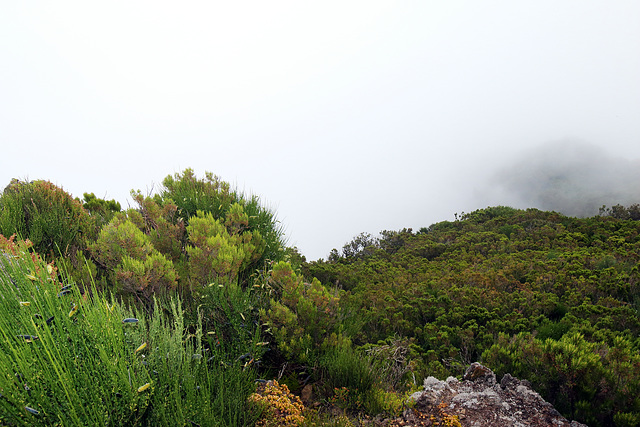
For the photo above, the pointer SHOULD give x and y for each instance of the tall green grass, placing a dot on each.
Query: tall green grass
(69, 359)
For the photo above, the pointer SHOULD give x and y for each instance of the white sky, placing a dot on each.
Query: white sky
(343, 116)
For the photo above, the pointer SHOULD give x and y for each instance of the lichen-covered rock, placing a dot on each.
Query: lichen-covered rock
(478, 373)
(479, 401)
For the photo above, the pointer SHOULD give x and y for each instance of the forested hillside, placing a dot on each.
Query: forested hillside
(542, 296)
(179, 311)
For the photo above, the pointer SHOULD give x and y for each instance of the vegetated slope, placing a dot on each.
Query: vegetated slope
(155, 307)
(545, 297)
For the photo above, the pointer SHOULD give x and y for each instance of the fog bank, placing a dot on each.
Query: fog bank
(570, 177)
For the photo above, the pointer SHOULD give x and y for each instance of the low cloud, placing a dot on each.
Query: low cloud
(573, 178)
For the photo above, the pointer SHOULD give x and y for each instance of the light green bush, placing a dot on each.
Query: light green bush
(220, 251)
(136, 266)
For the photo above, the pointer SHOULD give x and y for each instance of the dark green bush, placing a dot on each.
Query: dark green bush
(589, 381)
(102, 210)
(46, 215)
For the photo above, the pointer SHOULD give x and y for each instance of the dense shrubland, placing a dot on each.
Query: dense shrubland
(542, 296)
(222, 305)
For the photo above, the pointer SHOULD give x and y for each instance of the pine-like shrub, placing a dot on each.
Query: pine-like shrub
(133, 265)
(214, 196)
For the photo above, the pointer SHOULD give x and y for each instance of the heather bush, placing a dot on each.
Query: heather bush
(101, 210)
(132, 263)
(46, 215)
(595, 382)
(118, 239)
(213, 196)
(303, 315)
(219, 250)
(161, 223)
(153, 275)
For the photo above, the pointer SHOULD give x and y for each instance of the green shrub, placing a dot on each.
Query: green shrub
(393, 360)
(213, 196)
(349, 375)
(382, 401)
(101, 210)
(220, 251)
(118, 239)
(588, 381)
(230, 314)
(153, 275)
(161, 223)
(554, 330)
(47, 216)
(134, 265)
(303, 317)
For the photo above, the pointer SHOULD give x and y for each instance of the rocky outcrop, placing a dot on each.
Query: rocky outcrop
(480, 401)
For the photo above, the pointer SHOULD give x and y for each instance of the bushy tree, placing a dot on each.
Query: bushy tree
(220, 250)
(361, 245)
(49, 217)
(134, 265)
(303, 316)
(620, 212)
(214, 196)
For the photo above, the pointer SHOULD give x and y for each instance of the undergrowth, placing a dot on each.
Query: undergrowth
(72, 358)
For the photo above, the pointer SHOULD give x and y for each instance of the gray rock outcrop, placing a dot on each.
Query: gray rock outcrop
(480, 401)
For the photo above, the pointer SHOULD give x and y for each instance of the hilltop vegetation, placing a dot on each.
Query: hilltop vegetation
(221, 302)
(545, 297)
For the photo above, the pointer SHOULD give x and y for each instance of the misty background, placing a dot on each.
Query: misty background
(343, 117)
(570, 177)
